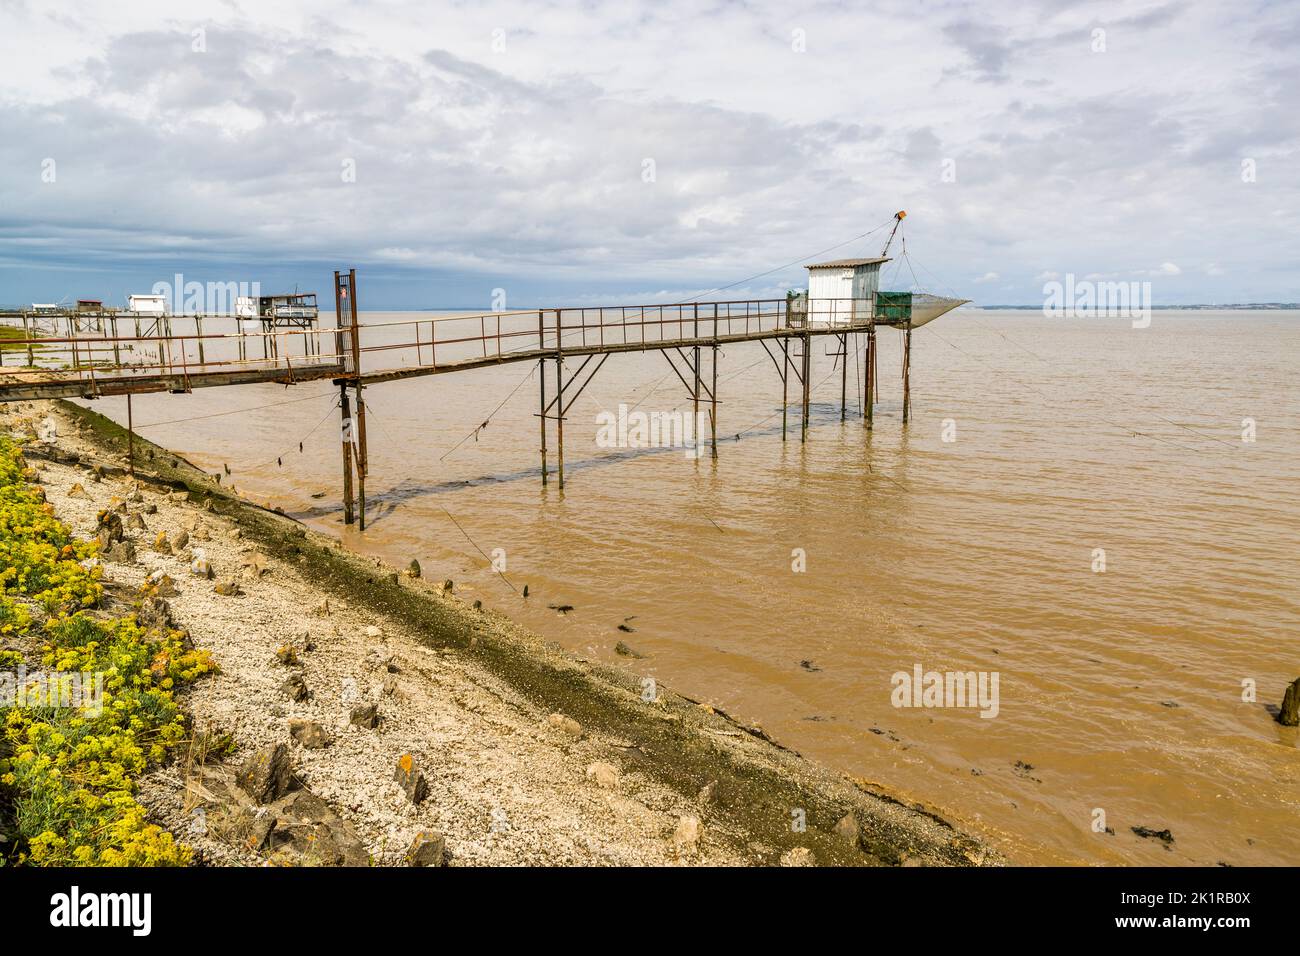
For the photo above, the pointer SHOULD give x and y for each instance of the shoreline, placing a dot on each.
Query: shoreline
(473, 697)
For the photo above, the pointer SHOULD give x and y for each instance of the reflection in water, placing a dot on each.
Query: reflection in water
(386, 502)
(1120, 691)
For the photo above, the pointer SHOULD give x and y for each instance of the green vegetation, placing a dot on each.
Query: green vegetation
(11, 339)
(67, 773)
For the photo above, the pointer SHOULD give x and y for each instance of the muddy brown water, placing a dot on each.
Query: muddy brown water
(1124, 691)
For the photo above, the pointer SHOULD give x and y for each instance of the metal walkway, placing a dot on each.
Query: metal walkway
(79, 355)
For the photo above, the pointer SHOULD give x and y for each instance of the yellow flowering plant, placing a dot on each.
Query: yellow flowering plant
(67, 773)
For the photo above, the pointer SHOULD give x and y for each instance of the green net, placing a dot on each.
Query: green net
(894, 306)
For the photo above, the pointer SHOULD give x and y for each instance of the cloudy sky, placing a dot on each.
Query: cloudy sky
(625, 152)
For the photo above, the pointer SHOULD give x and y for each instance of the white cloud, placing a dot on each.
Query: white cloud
(529, 163)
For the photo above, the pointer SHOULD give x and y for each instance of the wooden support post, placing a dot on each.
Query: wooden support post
(359, 426)
(130, 438)
(695, 334)
(356, 331)
(713, 392)
(363, 456)
(713, 411)
(559, 421)
(807, 374)
(785, 366)
(165, 330)
(338, 325)
(844, 375)
(907, 373)
(541, 379)
(541, 373)
(858, 352)
(785, 392)
(868, 398)
(875, 373)
(27, 334)
(559, 401)
(346, 407)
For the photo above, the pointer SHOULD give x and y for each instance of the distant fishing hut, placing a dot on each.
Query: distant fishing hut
(146, 304)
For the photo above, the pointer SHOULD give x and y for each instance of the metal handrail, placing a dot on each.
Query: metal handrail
(510, 334)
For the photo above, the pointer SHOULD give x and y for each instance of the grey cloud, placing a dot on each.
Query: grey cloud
(987, 48)
(465, 167)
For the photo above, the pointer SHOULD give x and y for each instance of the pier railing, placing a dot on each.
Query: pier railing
(117, 353)
(76, 354)
(120, 353)
(443, 342)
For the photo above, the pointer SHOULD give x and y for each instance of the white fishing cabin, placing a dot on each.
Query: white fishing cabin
(843, 290)
(290, 309)
(147, 304)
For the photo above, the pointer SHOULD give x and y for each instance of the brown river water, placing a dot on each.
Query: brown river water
(1119, 691)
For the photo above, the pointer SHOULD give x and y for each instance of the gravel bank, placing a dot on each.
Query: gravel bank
(467, 694)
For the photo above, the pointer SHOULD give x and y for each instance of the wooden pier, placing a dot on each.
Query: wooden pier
(89, 357)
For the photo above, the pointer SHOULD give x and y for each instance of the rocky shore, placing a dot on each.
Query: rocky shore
(365, 715)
